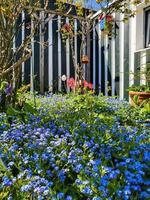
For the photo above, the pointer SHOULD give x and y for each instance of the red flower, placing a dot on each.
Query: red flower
(85, 84)
(67, 27)
(90, 86)
(71, 83)
(109, 18)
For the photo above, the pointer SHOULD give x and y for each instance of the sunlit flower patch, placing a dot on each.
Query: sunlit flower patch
(76, 148)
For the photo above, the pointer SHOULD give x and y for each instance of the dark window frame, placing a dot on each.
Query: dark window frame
(147, 27)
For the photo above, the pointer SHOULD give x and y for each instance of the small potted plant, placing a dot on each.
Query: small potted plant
(139, 94)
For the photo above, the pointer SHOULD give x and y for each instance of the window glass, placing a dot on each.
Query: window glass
(147, 28)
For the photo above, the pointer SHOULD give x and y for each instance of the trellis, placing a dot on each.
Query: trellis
(103, 52)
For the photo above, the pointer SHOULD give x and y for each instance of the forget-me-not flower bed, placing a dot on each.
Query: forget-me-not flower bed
(76, 148)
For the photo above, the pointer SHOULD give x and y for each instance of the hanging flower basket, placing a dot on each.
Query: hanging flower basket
(85, 59)
(109, 18)
(104, 20)
(67, 28)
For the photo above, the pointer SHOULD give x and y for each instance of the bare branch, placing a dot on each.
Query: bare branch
(17, 64)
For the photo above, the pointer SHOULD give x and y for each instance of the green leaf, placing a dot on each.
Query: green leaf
(2, 166)
(29, 109)
(136, 99)
(11, 111)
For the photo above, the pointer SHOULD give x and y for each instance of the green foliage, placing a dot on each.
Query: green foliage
(139, 88)
(136, 99)
(12, 56)
(20, 113)
(146, 107)
(14, 103)
(86, 107)
(5, 95)
(144, 72)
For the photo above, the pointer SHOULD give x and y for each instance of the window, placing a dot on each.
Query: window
(147, 28)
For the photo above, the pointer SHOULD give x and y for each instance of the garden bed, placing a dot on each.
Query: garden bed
(76, 148)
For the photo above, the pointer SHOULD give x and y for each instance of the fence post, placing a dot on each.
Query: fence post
(132, 47)
(84, 53)
(32, 59)
(113, 61)
(100, 60)
(94, 57)
(121, 62)
(42, 25)
(59, 53)
(106, 64)
(23, 37)
(87, 50)
(50, 52)
(75, 44)
(67, 57)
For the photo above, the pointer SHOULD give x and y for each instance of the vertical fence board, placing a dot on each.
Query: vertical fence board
(84, 52)
(59, 54)
(23, 37)
(50, 53)
(126, 60)
(100, 59)
(32, 60)
(75, 42)
(94, 58)
(132, 47)
(42, 52)
(55, 54)
(46, 79)
(121, 62)
(87, 51)
(106, 64)
(67, 57)
(113, 61)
